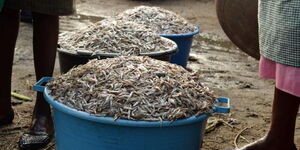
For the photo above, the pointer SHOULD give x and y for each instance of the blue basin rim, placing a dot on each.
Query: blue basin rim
(181, 35)
(120, 122)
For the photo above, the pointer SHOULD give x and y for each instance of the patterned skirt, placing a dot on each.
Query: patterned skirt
(279, 31)
(50, 7)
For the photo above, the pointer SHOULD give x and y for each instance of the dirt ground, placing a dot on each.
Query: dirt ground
(224, 68)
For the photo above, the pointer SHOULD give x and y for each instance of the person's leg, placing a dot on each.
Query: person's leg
(281, 134)
(45, 37)
(9, 27)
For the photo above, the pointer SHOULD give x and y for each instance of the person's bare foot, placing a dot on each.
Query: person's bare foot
(264, 144)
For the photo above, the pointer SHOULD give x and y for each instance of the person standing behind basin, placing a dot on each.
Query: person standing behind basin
(45, 36)
(279, 38)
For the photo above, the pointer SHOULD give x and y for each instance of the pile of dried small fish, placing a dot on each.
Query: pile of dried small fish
(134, 88)
(116, 36)
(160, 20)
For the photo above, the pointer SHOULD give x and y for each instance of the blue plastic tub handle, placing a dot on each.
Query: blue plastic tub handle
(38, 86)
(220, 109)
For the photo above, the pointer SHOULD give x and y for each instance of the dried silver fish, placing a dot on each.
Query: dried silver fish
(134, 88)
(160, 20)
(115, 36)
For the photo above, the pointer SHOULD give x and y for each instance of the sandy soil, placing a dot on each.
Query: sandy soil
(224, 68)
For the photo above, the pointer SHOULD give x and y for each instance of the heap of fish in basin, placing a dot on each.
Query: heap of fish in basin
(160, 20)
(115, 36)
(134, 88)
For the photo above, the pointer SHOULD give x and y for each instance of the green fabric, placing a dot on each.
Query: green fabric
(1, 4)
(279, 31)
(50, 7)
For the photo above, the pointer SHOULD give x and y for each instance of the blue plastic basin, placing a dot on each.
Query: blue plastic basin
(77, 130)
(184, 43)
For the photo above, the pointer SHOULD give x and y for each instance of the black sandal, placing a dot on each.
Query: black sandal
(34, 140)
(8, 119)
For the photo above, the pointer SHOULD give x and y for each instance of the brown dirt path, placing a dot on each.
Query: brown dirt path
(225, 69)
